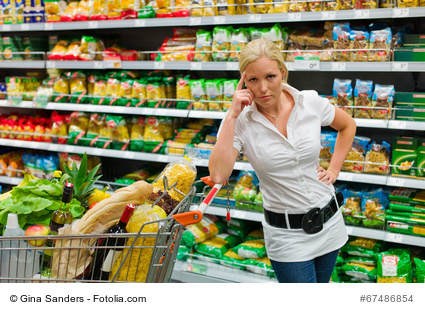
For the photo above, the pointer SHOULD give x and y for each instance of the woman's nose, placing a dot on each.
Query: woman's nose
(263, 86)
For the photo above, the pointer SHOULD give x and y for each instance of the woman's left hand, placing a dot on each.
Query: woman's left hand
(326, 176)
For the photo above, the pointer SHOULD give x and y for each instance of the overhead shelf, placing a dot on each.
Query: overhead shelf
(221, 20)
(23, 64)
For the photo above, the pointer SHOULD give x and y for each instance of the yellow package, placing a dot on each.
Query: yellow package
(226, 7)
(407, 3)
(241, 8)
(183, 88)
(259, 7)
(181, 172)
(152, 130)
(136, 265)
(210, 8)
(199, 232)
(137, 128)
(281, 6)
(112, 87)
(297, 6)
(53, 10)
(114, 9)
(126, 89)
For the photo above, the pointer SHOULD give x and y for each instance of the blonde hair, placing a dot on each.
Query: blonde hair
(258, 48)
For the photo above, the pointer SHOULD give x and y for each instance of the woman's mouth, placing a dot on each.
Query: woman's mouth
(265, 97)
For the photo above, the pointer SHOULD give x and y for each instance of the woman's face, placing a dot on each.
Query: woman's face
(264, 78)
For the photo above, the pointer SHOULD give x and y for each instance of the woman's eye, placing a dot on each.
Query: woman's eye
(271, 76)
(252, 80)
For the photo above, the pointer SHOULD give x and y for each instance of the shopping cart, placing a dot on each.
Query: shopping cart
(147, 256)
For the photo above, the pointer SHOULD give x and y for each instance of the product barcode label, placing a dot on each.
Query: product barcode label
(254, 18)
(328, 15)
(140, 22)
(400, 12)
(400, 66)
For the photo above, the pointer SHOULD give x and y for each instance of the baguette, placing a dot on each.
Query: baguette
(97, 220)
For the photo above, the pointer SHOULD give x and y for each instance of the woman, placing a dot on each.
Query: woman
(278, 129)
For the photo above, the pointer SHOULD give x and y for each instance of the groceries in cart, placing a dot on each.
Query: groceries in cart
(77, 232)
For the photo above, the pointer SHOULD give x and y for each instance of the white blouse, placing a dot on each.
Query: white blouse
(286, 169)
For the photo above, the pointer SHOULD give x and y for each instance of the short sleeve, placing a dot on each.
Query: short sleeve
(326, 111)
(238, 138)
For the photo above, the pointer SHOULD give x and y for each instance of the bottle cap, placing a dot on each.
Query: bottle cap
(125, 217)
(57, 174)
(67, 193)
(12, 221)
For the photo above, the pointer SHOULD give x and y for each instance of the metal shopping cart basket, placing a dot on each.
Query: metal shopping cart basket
(147, 256)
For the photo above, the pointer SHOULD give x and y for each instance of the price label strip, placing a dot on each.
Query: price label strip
(400, 66)
(307, 63)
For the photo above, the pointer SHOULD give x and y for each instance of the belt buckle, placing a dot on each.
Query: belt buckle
(312, 221)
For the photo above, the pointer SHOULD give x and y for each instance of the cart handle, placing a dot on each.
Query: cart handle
(193, 217)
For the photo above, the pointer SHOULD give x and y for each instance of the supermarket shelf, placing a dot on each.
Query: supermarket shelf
(405, 182)
(22, 27)
(221, 20)
(10, 180)
(371, 123)
(199, 271)
(351, 230)
(363, 178)
(23, 64)
(406, 125)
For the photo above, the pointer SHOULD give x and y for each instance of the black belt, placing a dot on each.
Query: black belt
(311, 222)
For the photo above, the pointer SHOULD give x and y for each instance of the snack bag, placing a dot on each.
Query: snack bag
(383, 97)
(343, 94)
(229, 88)
(137, 134)
(363, 98)
(394, 266)
(377, 158)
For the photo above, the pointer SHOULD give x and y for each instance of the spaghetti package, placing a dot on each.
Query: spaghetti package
(363, 98)
(378, 158)
(382, 101)
(281, 6)
(341, 38)
(226, 7)
(78, 128)
(208, 227)
(343, 95)
(182, 173)
(394, 266)
(229, 88)
(380, 44)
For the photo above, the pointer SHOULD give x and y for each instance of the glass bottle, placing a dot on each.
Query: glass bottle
(62, 216)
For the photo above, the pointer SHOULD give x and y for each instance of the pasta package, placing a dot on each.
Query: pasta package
(343, 95)
(120, 132)
(394, 266)
(197, 89)
(332, 5)
(229, 88)
(239, 39)
(208, 227)
(182, 173)
(359, 43)
(363, 98)
(359, 270)
(139, 93)
(382, 101)
(374, 205)
(354, 162)
(94, 129)
(363, 247)
(381, 41)
(407, 3)
(226, 7)
(280, 6)
(341, 38)
(203, 50)
(221, 43)
(214, 93)
(251, 249)
(377, 158)
(351, 208)
(241, 8)
(297, 6)
(259, 6)
(327, 145)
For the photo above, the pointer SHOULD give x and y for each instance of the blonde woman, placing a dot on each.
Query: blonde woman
(278, 129)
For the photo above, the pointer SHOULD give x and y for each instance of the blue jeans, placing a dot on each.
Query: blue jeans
(318, 270)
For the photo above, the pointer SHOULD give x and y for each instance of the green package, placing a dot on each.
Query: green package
(404, 155)
(232, 259)
(251, 249)
(359, 270)
(260, 266)
(394, 266)
(218, 245)
(420, 270)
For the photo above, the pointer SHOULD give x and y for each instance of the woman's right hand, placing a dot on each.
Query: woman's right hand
(241, 98)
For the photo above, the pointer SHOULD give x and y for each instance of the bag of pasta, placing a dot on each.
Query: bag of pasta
(229, 88)
(297, 6)
(59, 50)
(363, 247)
(203, 46)
(420, 270)
(239, 39)
(153, 136)
(221, 43)
(363, 98)
(377, 158)
(281, 6)
(343, 95)
(78, 128)
(226, 7)
(261, 266)
(125, 92)
(341, 37)
(77, 87)
(246, 186)
(327, 145)
(332, 5)
(214, 93)
(95, 126)
(183, 92)
(351, 208)
(381, 41)
(208, 227)
(139, 93)
(259, 6)
(359, 41)
(54, 9)
(120, 132)
(182, 173)
(354, 162)
(61, 89)
(99, 91)
(218, 245)
(359, 270)
(394, 266)
(137, 132)
(197, 89)
(374, 204)
(382, 99)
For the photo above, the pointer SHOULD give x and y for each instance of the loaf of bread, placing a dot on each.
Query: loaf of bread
(108, 211)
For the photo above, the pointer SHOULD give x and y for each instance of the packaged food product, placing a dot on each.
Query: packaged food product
(327, 145)
(98, 10)
(420, 270)
(208, 227)
(181, 172)
(363, 247)
(394, 266)
(77, 86)
(363, 98)
(351, 208)
(214, 94)
(198, 92)
(259, 7)
(260, 266)
(359, 41)
(343, 94)
(377, 158)
(359, 270)
(139, 93)
(381, 41)
(382, 100)
(120, 132)
(218, 245)
(332, 5)
(203, 46)
(407, 3)
(183, 92)
(251, 249)
(297, 6)
(54, 9)
(221, 43)
(341, 38)
(239, 39)
(78, 128)
(354, 162)
(226, 7)
(281, 6)
(374, 204)
(59, 50)
(232, 259)
(257, 234)
(229, 88)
